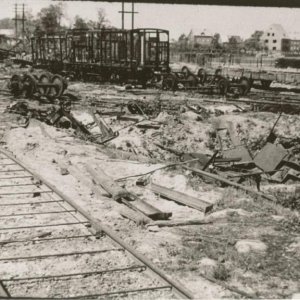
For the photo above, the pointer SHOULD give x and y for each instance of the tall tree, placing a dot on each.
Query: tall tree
(254, 42)
(102, 20)
(217, 41)
(232, 42)
(50, 18)
(182, 42)
(7, 23)
(80, 23)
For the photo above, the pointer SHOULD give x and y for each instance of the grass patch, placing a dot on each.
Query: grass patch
(221, 273)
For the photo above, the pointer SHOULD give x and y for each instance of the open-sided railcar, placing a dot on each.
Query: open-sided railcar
(110, 54)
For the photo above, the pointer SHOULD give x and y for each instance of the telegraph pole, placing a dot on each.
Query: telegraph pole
(23, 20)
(132, 15)
(132, 12)
(123, 9)
(16, 20)
(20, 16)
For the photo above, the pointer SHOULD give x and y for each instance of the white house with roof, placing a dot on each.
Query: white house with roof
(272, 37)
(7, 32)
(200, 37)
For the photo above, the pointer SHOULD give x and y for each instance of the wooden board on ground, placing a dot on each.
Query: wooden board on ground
(122, 195)
(133, 215)
(173, 223)
(238, 152)
(182, 198)
(107, 183)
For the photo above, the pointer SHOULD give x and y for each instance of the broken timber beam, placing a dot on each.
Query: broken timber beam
(237, 185)
(107, 183)
(133, 215)
(122, 195)
(148, 125)
(181, 198)
(171, 223)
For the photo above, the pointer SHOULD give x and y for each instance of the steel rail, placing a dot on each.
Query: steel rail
(178, 289)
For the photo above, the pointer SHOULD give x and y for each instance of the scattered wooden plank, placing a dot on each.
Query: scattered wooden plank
(182, 198)
(107, 183)
(229, 182)
(148, 125)
(172, 223)
(147, 209)
(130, 118)
(238, 152)
(134, 215)
(122, 195)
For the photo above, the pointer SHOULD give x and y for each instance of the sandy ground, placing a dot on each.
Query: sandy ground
(185, 253)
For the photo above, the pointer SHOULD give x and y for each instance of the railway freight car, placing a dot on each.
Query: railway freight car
(288, 62)
(106, 54)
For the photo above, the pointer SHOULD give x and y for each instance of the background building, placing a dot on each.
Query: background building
(272, 37)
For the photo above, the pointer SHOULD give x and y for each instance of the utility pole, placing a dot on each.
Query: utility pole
(132, 15)
(23, 20)
(19, 10)
(16, 20)
(123, 15)
(132, 12)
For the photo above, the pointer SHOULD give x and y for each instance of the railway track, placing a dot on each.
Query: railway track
(53, 249)
(168, 99)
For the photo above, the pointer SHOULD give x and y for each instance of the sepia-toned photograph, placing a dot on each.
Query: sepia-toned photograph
(149, 150)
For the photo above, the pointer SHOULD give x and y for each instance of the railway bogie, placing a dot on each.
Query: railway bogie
(205, 82)
(31, 84)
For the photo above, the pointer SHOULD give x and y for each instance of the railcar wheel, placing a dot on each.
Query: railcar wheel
(44, 79)
(169, 82)
(16, 85)
(202, 76)
(192, 81)
(29, 83)
(65, 83)
(133, 108)
(185, 70)
(58, 89)
(266, 83)
(223, 86)
(246, 85)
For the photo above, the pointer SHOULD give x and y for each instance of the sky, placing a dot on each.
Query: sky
(178, 19)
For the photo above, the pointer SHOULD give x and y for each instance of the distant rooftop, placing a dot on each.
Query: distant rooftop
(7, 32)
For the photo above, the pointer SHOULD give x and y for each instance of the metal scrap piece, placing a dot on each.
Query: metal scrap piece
(270, 156)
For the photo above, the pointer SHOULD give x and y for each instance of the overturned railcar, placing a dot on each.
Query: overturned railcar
(106, 54)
